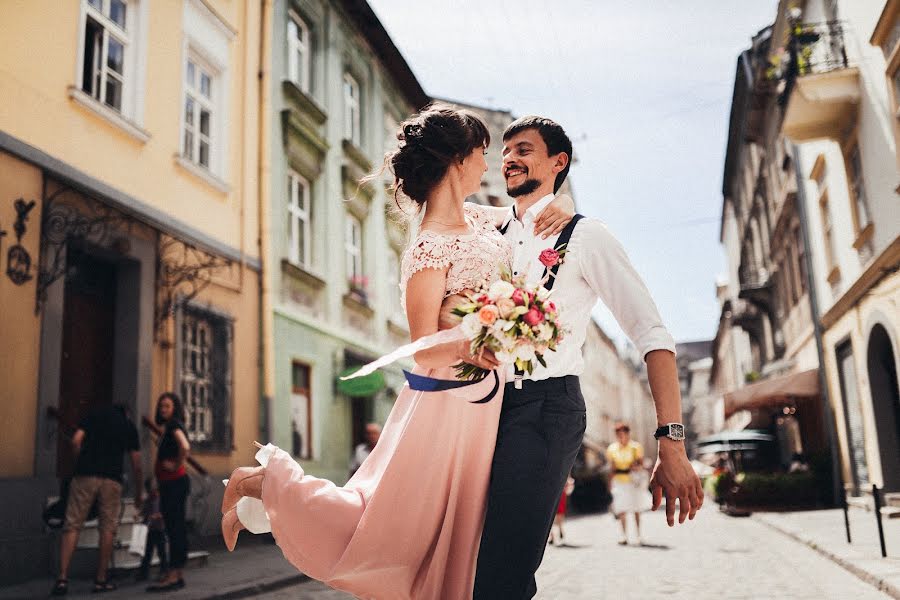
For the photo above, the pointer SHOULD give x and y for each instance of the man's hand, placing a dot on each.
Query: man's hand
(554, 218)
(674, 477)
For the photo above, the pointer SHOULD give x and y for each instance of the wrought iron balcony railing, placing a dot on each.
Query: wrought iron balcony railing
(812, 48)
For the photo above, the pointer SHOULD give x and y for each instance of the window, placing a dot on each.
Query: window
(827, 232)
(299, 52)
(205, 377)
(857, 190)
(351, 110)
(299, 222)
(199, 112)
(301, 411)
(105, 52)
(801, 261)
(353, 247)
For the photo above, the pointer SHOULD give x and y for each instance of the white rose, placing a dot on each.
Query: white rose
(471, 325)
(501, 289)
(524, 352)
(545, 332)
(504, 357)
(543, 293)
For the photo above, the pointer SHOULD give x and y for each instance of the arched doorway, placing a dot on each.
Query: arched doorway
(882, 367)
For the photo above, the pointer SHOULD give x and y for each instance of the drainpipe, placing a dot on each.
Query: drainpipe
(266, 341)
(812, 292)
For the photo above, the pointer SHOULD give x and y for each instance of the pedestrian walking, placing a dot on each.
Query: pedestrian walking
(560, 518)
(174, 486)
(151, 516)
(103, 437)
(362, 451)
(628, 481)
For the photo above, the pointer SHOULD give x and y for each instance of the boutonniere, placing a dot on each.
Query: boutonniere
(550, 257)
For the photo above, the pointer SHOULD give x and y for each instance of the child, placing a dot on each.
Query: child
(156, 531)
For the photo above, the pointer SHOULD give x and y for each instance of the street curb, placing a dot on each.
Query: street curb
(249, 590)
(879, 583)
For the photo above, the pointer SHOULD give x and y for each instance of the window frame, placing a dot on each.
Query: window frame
(307, 391)
(297, 215)
(301, 78)
(127, 38)
(352, 109)
(211, 104)
(220, 397)
(355, 269)
(862, 232)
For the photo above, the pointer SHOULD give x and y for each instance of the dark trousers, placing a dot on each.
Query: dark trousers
(173, 499)
(541, 429)
(156, 540)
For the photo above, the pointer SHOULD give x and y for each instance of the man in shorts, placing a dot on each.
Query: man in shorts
(104, 435)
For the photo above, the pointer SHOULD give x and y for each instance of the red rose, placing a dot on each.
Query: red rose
(518, 297)
(549, 257)
(482, 298)
(533, 317)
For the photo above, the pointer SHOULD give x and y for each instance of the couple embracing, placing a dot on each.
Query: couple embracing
(457, 499)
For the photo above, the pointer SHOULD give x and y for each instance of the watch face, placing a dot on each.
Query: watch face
(676, 431)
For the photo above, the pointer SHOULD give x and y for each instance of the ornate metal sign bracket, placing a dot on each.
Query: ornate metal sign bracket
(182, 272)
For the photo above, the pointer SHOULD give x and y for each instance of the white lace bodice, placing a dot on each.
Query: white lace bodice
(474, 259)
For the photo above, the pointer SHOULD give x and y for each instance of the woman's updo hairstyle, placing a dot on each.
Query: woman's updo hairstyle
(430, 142)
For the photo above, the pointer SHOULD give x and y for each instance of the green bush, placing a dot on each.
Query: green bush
(773, 490)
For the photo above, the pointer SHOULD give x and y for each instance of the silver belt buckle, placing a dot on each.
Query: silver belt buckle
(518, 382)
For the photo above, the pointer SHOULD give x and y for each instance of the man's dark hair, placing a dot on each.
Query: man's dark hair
(553, 135)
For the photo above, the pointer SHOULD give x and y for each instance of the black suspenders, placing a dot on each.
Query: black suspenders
(561, 243)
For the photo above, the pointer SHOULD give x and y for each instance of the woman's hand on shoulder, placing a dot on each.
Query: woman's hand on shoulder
(554, 218)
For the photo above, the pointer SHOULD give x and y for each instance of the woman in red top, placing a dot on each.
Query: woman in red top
(174, 486)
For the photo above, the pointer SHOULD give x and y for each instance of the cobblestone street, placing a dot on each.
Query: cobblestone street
(715, 557)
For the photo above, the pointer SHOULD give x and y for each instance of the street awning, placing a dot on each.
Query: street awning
(361, 387)
(772, 392)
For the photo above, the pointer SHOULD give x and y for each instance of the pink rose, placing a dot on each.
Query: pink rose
(488, 314)
(506, 307)
(549, 306)
(549, 257)
(533, 317)
(518, 297)
(482, 298)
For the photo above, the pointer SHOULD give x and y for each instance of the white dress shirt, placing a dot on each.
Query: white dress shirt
(595, 267)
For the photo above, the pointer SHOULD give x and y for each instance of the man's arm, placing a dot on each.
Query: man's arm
(77, 440)
(607, 269)
(137, 469)
(673, 475)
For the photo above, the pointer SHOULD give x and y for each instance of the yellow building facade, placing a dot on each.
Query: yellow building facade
(129, 186)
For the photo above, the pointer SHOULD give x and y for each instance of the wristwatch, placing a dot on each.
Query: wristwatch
(673, 431)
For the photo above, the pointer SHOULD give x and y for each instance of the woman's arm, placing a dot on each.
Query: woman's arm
(424, 296)
(549, 221)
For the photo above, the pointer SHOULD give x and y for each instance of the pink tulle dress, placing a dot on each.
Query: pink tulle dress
(408, 523)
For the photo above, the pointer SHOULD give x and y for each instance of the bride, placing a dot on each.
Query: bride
(408, 523)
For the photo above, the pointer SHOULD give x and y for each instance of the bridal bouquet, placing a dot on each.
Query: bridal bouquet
(515, 320)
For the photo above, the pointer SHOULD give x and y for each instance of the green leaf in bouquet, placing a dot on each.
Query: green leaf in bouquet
(519, 311)
(541, 360)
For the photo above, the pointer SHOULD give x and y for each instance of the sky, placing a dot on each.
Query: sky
(643, 88)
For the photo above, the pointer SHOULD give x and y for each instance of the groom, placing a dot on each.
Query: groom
(542, 421)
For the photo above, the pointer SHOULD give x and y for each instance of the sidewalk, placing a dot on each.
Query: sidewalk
(823, 531)
(256, 566)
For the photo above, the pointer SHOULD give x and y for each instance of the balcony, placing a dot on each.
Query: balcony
(821, 90)
(756, 287)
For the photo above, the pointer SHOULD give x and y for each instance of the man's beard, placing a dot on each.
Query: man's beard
(527, 187)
